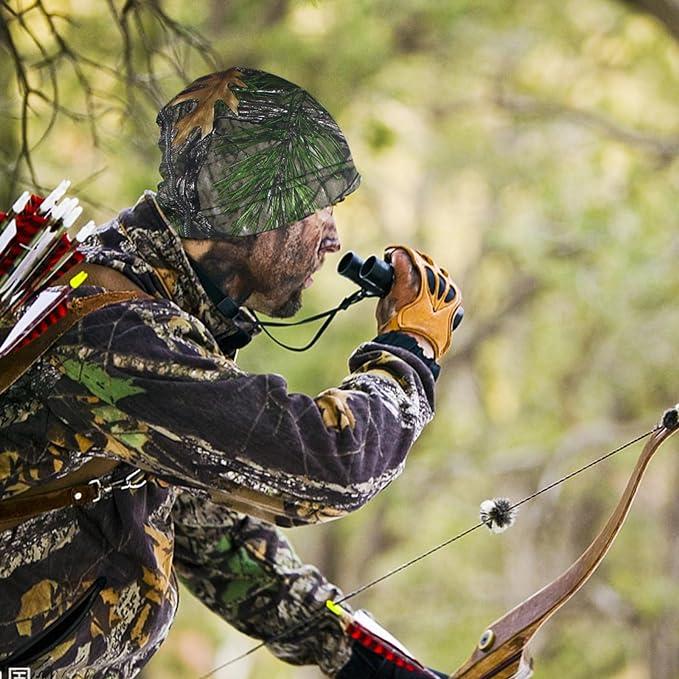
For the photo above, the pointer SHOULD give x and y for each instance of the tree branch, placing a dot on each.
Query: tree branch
(665, 11)
(666, 148)
(149, 43)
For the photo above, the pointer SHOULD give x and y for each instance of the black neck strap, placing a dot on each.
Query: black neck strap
(227, 307)
(231, 341)
(230, 309)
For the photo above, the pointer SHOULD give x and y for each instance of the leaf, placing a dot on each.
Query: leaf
(224, 544)
(283, 160)
(206, 92)
(36, 601)
(135, 441)
(99, 382)
(8, 463)
(335, 409)
(235, 592)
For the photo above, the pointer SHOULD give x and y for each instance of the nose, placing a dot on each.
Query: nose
(330, 241)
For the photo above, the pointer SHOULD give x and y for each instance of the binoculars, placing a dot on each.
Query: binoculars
(376, 276)
(373, 275)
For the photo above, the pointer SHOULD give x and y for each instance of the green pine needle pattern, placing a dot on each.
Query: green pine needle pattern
(285, 156)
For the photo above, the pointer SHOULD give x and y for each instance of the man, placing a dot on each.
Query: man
(204, 458)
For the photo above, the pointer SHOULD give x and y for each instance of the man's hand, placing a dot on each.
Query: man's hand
(424, 302)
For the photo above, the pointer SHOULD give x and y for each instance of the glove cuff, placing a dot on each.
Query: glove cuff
(403, 341)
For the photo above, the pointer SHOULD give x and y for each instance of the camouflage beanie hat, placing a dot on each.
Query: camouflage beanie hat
(244, 151)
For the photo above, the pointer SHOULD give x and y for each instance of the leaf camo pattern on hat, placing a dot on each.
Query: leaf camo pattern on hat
(206, 92)
(245, 152)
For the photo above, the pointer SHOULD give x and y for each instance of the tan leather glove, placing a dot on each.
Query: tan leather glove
(423, 302)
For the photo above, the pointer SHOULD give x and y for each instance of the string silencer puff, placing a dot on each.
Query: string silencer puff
(498, 514)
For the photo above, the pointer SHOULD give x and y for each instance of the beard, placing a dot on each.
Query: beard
(262, 296)
(290, 307)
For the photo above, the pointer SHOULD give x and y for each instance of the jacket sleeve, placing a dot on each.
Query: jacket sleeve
(247, 572)
(144, 382)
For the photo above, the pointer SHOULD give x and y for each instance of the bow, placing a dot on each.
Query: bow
(501, 651)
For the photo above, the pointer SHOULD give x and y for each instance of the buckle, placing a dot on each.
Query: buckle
(137, 479)
(96, 484)
(133, 481)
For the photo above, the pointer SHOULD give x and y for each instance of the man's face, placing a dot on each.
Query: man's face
(282, 262)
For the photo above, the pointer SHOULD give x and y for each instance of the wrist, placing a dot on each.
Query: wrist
(410, 343)
(423, 342)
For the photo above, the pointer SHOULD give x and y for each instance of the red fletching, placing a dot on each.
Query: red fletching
(59, 311)
(3, 216)
(381, 648)
(59, 251)
(29, 223)
(33, 204)
(74, 259)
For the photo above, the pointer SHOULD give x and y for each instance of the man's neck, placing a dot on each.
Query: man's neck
(223, 263)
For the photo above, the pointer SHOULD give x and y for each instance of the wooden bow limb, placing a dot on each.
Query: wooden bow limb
(501, 652)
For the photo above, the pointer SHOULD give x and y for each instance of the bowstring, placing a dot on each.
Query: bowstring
(303, 624)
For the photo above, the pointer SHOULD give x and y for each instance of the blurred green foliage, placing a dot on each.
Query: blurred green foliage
(531, 149)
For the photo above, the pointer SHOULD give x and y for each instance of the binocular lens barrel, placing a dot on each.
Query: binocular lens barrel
(349, 267)
(379, 273)
(373, 275)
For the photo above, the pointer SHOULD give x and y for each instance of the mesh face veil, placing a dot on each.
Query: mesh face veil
(244, 151)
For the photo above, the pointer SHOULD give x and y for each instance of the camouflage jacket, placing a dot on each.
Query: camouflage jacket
(90, 591)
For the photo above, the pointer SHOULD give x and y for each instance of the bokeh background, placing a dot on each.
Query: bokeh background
(530, 147)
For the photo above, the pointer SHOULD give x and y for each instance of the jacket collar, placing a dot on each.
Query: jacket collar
(140, 243)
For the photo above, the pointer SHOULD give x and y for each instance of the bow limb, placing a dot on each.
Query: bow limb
(500, 653)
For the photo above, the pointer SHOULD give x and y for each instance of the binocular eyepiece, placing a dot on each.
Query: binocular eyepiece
(374, 275)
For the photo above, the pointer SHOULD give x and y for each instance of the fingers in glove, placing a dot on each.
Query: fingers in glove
(404, 289)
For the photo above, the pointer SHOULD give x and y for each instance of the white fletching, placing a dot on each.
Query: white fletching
(36, 253)
(8, 235)
(21, 202)
(55, 196)
(86, 231)
(42, 305)
(71, 217)
(364, 619)
(58, 211)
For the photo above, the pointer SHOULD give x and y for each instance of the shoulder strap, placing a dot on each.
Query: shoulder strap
(13, 366)
(75, 489)
(119, 289)
(103, 277)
